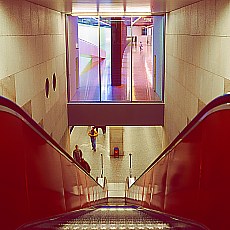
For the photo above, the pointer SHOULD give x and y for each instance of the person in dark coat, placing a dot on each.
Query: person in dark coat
(85, 165)
(77, 154)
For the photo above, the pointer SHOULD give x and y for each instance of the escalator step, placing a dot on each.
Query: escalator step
(113, 217)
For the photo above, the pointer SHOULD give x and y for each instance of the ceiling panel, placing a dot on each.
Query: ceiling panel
(114, 6)
(64, 6)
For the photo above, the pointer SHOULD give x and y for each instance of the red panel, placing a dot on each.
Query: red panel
(44, 176)
(182, 183)
(37, 180)
(159, 184)
(192, 181)
(13, 185)
(148, 187)
(82, 188)
(215, 171)
(71, 188)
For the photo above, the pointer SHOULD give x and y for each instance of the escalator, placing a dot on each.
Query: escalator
(114, 217)
(42, 187)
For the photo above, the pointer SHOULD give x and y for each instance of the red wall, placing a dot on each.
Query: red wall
(37, 179)
(192, 180)
(118, 45)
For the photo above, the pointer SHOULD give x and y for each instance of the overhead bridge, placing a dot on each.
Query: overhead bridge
(116, 114)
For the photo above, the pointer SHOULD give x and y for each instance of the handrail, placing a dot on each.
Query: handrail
(38, 177)
(190, 178)
(207, 110)
(19, 111)
(82, 40)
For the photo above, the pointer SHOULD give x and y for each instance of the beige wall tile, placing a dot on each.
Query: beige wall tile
(12, 54)
(191, 107)
(27, 108)
(32, 43)
(190, 80)
(26, 18)
(226, 85)
(196, 50)
(38, 106)
(197, 62)
(65, 141)
(24, 86)
(41, 21)
(199, 73)
(193, 19)
(222, 18)
(224, 61)
(217, 86)
(201, 105)
(214, 54)
(3, 59)
(206, 87)
(200, 17)
(34, 19)
(8, 88)
(210, 17)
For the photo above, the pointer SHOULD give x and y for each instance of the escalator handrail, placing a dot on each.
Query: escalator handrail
(17, 110)
(207, 110)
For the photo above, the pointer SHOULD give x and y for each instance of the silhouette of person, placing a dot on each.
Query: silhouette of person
(141, 46)
(77, 154)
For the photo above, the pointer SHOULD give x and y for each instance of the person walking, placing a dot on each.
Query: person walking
(141, 46)
(93, 134)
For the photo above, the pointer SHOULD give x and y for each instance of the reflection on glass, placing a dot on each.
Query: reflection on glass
(105, 68)
(88, 41)
(142, 60)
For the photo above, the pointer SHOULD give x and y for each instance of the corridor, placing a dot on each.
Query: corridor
(143, 143)
(139, 88)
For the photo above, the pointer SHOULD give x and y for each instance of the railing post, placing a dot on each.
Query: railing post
(102, 166)
(130, 165)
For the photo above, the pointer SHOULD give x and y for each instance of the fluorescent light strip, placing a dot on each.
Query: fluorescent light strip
(111, 14)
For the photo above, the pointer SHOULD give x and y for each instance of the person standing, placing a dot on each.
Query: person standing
(77, 154)
(93, 134)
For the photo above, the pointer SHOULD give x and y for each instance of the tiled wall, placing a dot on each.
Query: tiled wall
(197, 60)
(32, 44)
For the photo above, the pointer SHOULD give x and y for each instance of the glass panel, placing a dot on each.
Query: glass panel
(143, 84)
(88, 41)
(105, 54)
(158, 33)
(121, 59)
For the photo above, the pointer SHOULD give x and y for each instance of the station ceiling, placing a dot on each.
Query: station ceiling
(114, 7)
